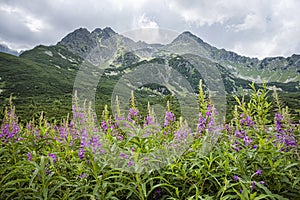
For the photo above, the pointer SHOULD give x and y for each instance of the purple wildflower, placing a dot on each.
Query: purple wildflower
(278, 119)
(261, 182)
(258, 172)
(29, 156)
(94, 143)
(133, 113)
(227, 127)
(120, 137)
(130, 163)
(102, 151)
(83, 175)
(252, 185)
(170, 117)
(84, 138)
(149, 121)
(239, 134)
(53, 156)
(202, 124)
(123, 155)
(10, 131)
(236, 177)
(247, 140)
(246, 121)
(104, 126)
(81, 153)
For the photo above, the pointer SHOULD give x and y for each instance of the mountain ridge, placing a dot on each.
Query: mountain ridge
(113, 55)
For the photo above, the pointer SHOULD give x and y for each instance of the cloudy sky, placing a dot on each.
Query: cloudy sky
(255, 28)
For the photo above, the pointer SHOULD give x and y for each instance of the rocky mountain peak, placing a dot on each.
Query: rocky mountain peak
(187, 36)
(78, 42)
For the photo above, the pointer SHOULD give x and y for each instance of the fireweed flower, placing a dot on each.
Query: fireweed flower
(120, 137)
(227, 127)
(130, 163)
(252, 185)
(239, 134)
(133, 113)
(182, 134)
(235, 177)
(104, 126)
(10, 131)
(84, 137)
(94, 143)
(123, 155)
(149, 121)
(258, 172)
(202, 124)
(278, 119)
(169, 117)
(118, 120)
(247, 140)
(287, 140)
(102, 151)
(83, 175)
(29, 156)
(246, 121)
(81, 153)
(53, 156)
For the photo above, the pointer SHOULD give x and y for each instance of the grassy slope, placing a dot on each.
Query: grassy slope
(35, 86)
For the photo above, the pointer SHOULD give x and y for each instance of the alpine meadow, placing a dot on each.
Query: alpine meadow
(99, 115)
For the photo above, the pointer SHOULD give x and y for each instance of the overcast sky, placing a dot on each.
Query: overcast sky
(255, 28)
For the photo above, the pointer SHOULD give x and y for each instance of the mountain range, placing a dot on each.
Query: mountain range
(44, 77)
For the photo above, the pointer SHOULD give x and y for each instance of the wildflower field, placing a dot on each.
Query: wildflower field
(129, 156)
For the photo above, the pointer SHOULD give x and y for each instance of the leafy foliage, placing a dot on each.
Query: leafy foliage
(251, 157)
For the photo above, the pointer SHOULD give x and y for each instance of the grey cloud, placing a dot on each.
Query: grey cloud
(248, 27)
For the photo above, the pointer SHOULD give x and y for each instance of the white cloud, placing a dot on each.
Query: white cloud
(143, 21)
(144, 28)
(35, 25)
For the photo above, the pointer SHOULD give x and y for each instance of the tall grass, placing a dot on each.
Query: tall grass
(133, 157)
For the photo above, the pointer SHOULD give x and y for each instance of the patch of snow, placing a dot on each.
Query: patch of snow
(62, 56)
(72, 60)
(290, 79)
(1, 91)
(57, 66)
(49, 53)
(250, 78)
(112, 73)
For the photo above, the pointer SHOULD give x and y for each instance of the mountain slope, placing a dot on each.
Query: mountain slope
(43, 78)
(274, 69)
(35, 86)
